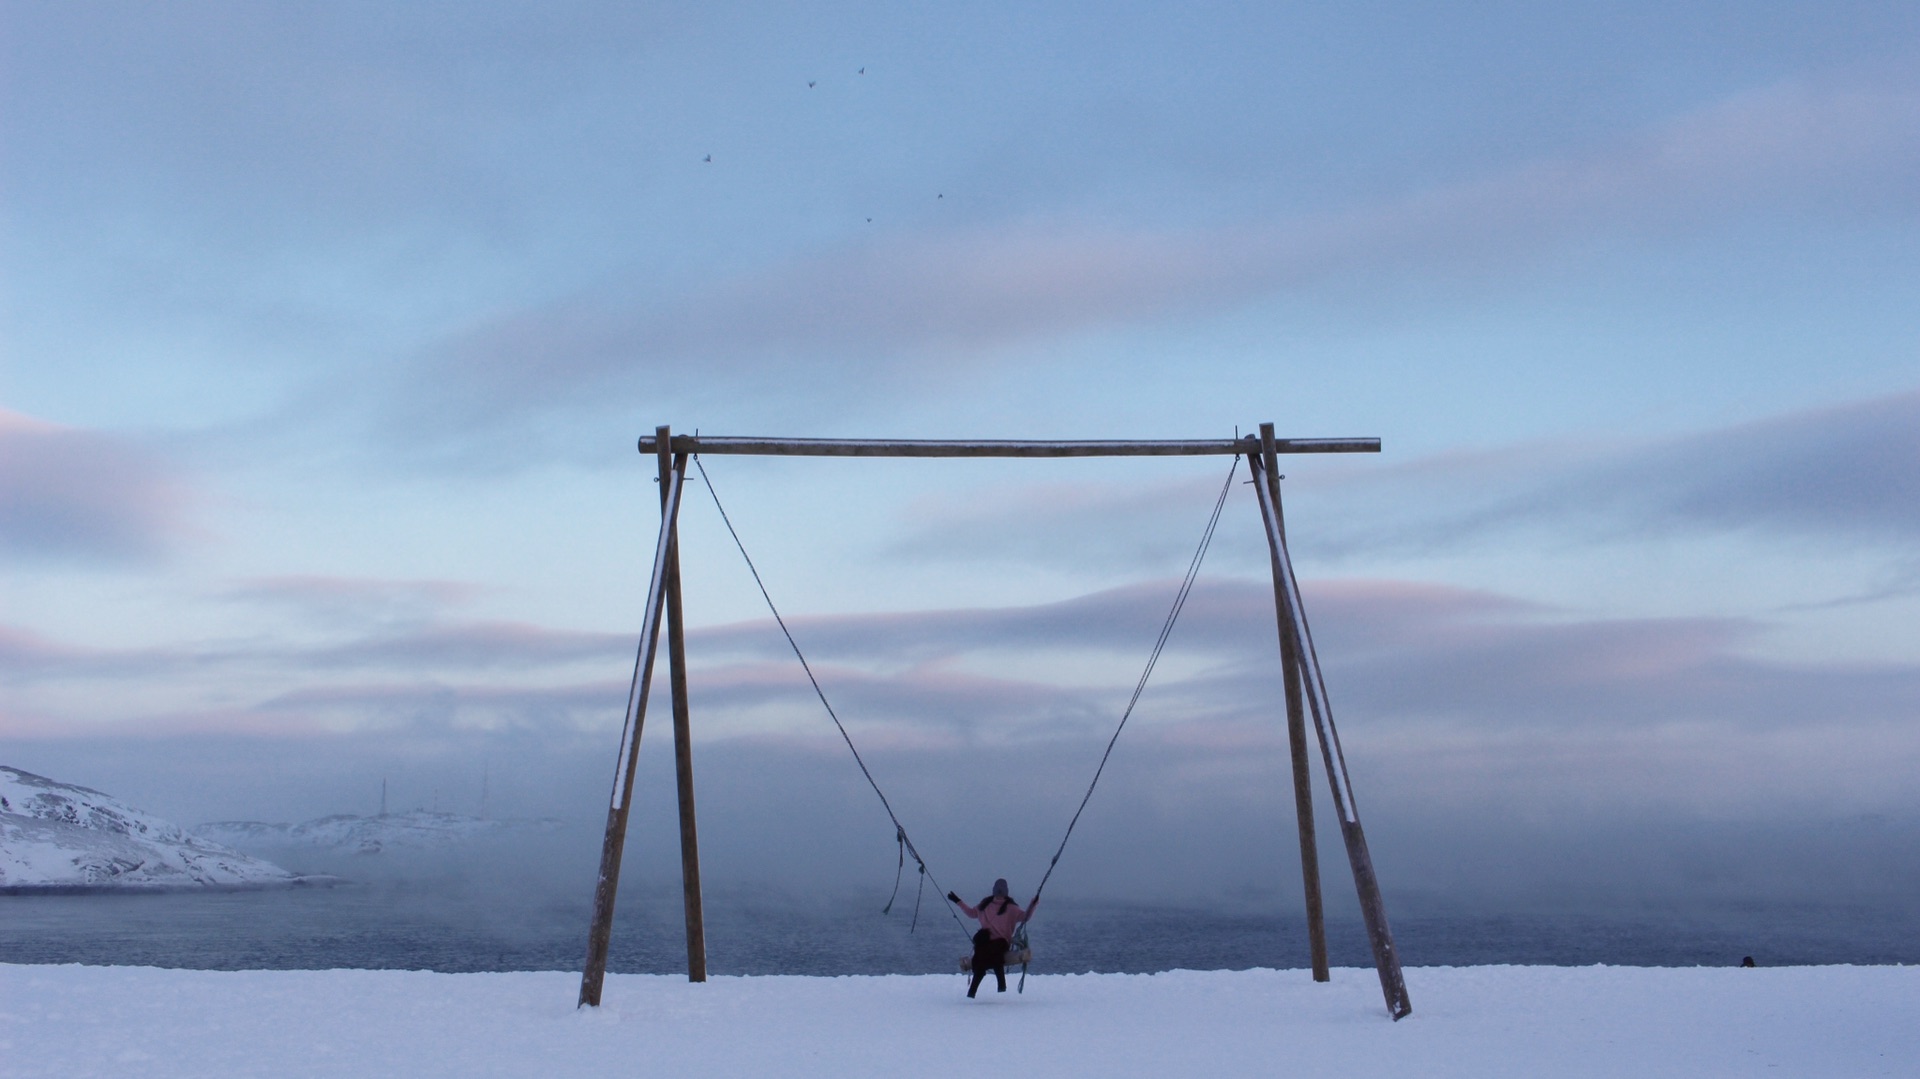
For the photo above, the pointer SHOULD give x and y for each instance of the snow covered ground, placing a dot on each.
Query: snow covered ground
(1469, 1021)
(59, 835)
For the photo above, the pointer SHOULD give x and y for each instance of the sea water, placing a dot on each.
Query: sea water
(463, 925)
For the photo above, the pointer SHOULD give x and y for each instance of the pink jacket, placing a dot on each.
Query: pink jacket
(1001, 923)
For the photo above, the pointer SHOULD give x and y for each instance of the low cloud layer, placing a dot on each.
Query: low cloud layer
(80, 496)
(1846, 475)
(1447, 698)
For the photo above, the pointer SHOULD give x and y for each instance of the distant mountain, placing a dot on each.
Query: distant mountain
(415, 830)
(56, 836)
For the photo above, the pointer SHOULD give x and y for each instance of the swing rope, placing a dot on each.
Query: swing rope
(900, 836)
(899, 830)
(1159, 646)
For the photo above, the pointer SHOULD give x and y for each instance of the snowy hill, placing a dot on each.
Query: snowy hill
(416, 830)
(55, 835)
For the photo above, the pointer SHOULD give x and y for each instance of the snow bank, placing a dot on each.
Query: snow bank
(1470, 1021)
(58, 835)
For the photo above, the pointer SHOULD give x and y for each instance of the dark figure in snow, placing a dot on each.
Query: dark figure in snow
(998, 916)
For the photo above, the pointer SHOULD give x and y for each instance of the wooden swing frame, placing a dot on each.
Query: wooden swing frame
(1305, 685)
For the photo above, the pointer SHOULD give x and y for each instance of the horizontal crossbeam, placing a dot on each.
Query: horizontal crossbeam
(873, 447)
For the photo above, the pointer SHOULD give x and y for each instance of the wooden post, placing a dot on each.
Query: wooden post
(600, 933)
(1373, 908)
(1292, 669)
(682, 730)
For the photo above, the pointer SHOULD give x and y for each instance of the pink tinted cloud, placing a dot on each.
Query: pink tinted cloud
(1438, 689)
(22, 648)
(27, 656)
(67, 494)
(1399, 652)
(1444, 696)
(921, 706)
(1846, 473)
(905, 308)
(481, 645)
(373, 595)
(862, 309)
(1121, 618)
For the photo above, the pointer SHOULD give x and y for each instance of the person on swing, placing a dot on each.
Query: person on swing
(998, 916)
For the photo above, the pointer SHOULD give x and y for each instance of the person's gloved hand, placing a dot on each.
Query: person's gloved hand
(953, 897)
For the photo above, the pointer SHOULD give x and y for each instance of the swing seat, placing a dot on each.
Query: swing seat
(1014, 959)
(1019, 952)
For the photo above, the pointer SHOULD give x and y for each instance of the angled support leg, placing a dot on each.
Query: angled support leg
(1291, 668)
(682, 733)
(600, 933)
(1386, 959)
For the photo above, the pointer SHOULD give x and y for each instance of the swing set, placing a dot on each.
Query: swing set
(1305, 686)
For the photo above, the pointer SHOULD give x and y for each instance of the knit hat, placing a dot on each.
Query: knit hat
(1000, 888)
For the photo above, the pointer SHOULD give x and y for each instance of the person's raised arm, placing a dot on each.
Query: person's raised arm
(962, 904)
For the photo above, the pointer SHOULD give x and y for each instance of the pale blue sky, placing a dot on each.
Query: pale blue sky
(328, 330)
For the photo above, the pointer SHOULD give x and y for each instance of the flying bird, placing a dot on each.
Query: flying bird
(809, 85)
(708, 159)
(863, 71)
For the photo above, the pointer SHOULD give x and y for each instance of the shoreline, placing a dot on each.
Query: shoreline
(304, 881)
